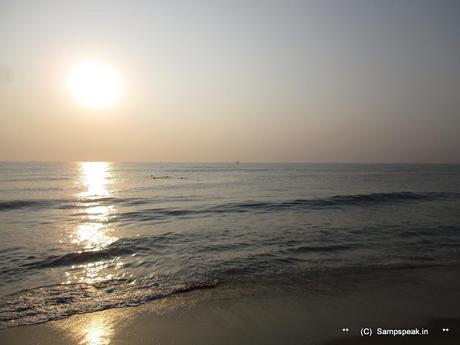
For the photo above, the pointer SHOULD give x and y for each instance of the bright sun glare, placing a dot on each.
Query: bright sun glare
(94, 84)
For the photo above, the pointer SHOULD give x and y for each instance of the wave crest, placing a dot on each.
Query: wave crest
(333, 201)
(60, 301)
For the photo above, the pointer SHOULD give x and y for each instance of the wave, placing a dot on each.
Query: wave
(15, 265)
(60, 301)
(6, 205)
(389, 197)
(330, 248)
(163, 244)
(333, 201)
(76, 258)
(337, 201)
(121, 247)
(18, 204)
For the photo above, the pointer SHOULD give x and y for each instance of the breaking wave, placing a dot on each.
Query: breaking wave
(59, 301)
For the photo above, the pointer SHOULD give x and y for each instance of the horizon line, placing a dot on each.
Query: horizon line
(233, 162)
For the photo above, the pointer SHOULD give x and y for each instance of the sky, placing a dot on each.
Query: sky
(361, 81)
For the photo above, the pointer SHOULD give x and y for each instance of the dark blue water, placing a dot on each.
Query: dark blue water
(79, 237)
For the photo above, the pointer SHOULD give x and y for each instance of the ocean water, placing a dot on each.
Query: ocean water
(80, 237)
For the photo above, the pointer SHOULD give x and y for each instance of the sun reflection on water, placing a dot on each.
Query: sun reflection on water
(93, 232)
(92, 236)
(96, 177)
(93, 272)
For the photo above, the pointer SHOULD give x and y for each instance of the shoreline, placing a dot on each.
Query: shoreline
(260, 314)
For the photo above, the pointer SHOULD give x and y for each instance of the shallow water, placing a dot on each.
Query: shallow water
(79, 237)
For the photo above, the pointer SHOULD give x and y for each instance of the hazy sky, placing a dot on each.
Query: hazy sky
(304, 81)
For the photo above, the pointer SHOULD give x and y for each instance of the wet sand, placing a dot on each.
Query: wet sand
(265, 314)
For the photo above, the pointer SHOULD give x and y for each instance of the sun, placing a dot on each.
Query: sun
(94, 84)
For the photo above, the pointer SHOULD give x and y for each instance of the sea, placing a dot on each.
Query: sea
(85, 236)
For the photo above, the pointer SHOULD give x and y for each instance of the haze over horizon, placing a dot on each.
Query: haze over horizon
(223, 81)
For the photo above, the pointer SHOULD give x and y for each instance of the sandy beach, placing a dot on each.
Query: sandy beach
(242, 314)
